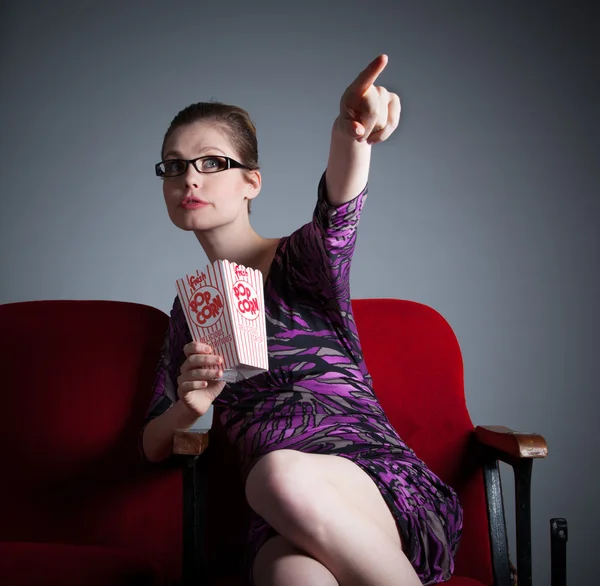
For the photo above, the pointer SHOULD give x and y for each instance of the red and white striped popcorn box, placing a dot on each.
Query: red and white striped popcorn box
(224, 307)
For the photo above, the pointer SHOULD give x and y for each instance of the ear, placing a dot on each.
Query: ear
(253, 184)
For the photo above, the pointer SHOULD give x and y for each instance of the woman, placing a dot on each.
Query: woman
(337, 497)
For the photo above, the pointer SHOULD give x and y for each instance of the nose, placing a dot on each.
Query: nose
(192, 177)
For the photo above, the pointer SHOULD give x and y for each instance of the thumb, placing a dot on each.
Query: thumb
(350, 128)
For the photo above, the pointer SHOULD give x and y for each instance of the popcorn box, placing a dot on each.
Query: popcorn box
(225, 308)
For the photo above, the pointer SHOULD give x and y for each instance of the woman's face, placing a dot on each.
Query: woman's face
(204, 201)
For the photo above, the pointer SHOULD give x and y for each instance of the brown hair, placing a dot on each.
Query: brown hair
(235, 122)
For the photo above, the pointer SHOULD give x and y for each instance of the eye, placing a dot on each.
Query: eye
(174, 166)
(211, 164)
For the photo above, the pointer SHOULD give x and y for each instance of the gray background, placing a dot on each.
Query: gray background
(484, 204)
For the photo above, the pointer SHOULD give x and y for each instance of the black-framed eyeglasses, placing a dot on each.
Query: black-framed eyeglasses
(208, 164)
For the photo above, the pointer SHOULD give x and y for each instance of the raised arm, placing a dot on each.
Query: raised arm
(368, 115)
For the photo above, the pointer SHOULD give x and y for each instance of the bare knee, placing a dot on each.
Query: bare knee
(275, 480)
(281, 488)
(279, 563)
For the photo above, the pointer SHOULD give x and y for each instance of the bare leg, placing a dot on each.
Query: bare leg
(279, 563)
(329, 508)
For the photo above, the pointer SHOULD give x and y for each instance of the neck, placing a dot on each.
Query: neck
(236, 242)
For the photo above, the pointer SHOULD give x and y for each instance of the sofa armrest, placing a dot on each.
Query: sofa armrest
(189, 446)
(190, 443)
(518, 449)
(512, 443)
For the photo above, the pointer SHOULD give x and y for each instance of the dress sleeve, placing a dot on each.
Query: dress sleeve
(168, 366)
(330, 239)
(338, 224)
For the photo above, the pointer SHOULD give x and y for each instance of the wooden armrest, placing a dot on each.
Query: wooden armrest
(513, 443)
(190, 443)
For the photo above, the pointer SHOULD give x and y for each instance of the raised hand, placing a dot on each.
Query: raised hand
(369, 113)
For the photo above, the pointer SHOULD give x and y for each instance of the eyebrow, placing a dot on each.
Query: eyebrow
(178, 155)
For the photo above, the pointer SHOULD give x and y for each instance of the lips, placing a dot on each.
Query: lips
(192, 203)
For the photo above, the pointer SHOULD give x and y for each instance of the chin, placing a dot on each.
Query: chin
(195, 226)
(191, 222)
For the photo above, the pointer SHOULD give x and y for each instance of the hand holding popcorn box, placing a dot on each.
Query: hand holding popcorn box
(225, 308)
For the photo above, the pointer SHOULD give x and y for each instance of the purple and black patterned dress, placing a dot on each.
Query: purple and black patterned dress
(316, 396)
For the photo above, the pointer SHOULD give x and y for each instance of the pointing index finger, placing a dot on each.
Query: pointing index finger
(367, 76)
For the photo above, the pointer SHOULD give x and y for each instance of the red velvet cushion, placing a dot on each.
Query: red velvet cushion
(25, 564)
(462, 581)
(76, 382)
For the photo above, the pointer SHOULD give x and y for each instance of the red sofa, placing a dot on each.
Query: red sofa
(79, 507)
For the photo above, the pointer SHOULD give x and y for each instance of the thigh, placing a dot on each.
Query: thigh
(358, 490)
(291, 475)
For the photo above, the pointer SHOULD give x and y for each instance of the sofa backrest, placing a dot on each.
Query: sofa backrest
(76, 382)
(414, 358)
